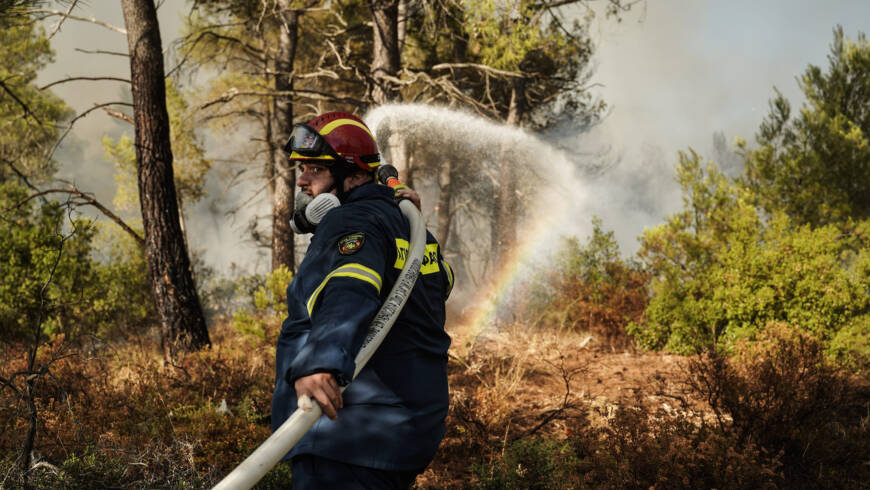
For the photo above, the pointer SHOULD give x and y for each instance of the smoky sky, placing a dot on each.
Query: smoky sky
(672, 72)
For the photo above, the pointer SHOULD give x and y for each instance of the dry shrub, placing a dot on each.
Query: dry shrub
(491, 406)
(144, 422)
(644, 448)
(637, 447)
(780, 393)
(603, 308)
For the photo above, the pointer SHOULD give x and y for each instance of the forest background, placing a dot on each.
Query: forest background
(131, 361)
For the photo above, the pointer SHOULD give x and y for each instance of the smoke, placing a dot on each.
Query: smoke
(672, 73)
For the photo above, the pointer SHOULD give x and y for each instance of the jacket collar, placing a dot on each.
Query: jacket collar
(369, 190)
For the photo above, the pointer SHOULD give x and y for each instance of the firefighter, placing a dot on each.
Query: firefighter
(384, 429)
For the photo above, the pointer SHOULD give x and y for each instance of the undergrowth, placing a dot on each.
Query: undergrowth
(776, 413)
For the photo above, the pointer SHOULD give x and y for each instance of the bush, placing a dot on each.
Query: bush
(45, 267)
(267, 305)
(722, 273)
(782, 394)
(121, 289)
(133, 421)
(635, 448)
(592, 289)
(643, 448)
(536, 463)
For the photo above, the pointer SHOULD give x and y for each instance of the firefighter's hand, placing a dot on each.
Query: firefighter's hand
(323, 388)
(411, 194)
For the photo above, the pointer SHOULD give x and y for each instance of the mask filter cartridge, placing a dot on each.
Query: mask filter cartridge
(310, 212)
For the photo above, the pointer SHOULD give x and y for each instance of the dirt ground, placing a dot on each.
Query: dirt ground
(518, 382)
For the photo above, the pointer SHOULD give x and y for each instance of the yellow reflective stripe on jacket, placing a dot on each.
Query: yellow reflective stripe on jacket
(449, 271)
(430, 256)
(356, 271)
(341, 122)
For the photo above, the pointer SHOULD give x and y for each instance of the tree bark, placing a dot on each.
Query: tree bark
(385, 56)
(182, 321)
(506, 199)
(444, 197)
(283, 253)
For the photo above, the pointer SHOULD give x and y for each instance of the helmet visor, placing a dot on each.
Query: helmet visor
(305, 141)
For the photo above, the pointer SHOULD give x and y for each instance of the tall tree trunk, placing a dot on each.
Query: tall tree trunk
(283, 252)
(385, 56)
(182, 322)
(402, 25)
(445, 190)
(506, 197)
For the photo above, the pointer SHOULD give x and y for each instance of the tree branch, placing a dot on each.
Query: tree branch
(99, 51)
(118, 115)
(478, 66)
(83, 199)
(60, 22)
(24, 106)
(83, 114)
(312, 94)
(20, 175)
(75, 79)
(66, 15)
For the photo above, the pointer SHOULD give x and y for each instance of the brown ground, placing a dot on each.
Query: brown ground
(505, 385)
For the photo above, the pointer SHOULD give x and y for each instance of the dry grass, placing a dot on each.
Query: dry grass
(530, 408)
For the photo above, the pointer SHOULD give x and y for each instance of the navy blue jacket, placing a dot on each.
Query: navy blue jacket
(393, 414)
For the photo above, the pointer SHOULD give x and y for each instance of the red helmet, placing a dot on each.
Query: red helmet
(335, 137)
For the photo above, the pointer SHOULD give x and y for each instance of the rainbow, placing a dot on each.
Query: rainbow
(538, 234)
(561, 191)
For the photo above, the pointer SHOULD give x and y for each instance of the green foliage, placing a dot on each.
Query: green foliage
(590, 289)
(267, 306)
(65, 274)
(532, 464)
(121, 291)
(29, 116)
(189, 164)
(590, 262)
(92, 469)
(278, 478)
(851, 345)
(44, 262)
(721, 273)
(550, 55)
(814, 166)
(122, 154)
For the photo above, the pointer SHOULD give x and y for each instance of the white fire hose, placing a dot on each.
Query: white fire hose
(252, 469)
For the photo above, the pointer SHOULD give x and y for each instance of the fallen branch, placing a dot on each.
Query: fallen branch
(477, 66)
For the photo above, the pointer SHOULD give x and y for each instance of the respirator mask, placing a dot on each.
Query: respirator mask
(309, 212)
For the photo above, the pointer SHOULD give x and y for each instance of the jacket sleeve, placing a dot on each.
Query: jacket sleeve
(354, 252)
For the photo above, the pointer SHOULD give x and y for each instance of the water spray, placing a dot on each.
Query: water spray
(252, 469)
(556, 205)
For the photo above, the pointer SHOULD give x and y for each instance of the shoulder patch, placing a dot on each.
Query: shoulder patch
(351, 243)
